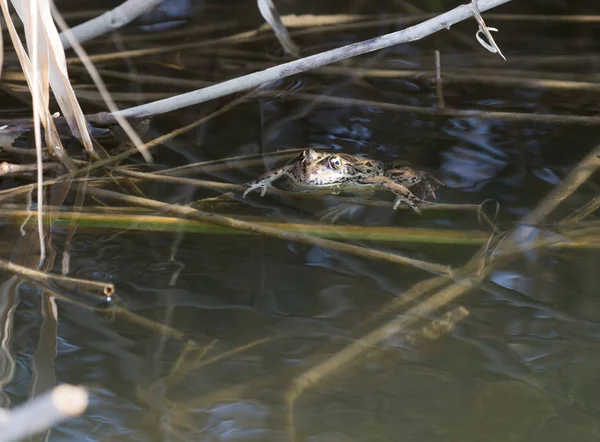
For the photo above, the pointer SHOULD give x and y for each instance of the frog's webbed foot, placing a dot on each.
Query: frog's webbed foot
(262, 185)
(402, 199)
(264, 182)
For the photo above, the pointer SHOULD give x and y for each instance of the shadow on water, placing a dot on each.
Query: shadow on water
(249, 314)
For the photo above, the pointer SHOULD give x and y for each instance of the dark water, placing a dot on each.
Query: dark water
(255, 313)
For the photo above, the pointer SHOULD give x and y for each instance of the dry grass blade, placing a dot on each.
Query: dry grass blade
(36, 124)
(53, 143)
(220, 220)
(490, 45)
(131, 133)
(271, 15)
(52, 52)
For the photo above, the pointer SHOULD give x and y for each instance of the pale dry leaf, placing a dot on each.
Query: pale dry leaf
(53, 142)
(58, 78)
(102, 89)
(271, 15)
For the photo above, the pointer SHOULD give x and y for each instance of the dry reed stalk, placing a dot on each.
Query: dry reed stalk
(108, 22)
(43, 412)
(449, 112)
(559, 193)
(583, 212)
(53, 62)
(103, 289)
(271, 15)
(97, 79)
(53, 142)
(225, 221)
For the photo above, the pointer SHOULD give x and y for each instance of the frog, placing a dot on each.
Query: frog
(332, 172)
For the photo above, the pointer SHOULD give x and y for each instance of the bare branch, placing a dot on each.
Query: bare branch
(109, 21)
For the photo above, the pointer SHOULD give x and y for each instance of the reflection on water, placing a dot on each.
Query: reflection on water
(246, 316)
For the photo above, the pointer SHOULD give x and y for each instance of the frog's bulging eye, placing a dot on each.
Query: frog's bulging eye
(335, 163)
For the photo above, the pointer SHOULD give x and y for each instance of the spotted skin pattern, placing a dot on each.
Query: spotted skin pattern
(325, 172)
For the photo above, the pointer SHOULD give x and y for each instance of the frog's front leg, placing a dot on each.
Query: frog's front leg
(403, 195)
(264, 182)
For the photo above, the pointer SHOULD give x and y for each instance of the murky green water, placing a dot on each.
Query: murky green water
(256, 313)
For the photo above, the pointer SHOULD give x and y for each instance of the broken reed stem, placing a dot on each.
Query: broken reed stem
(417, 32)
(134, 6)
(116, 311)
(221, 220)
(8, 169)
(103, 289)
(43, 412)
(569, 184)
(109, 21)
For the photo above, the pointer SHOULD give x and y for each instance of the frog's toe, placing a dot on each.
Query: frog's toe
(404, 200)
(251, 187)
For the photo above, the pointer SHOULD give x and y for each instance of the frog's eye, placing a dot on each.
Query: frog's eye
(335, 162)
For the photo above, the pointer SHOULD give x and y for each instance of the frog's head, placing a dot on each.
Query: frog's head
(325, 169)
